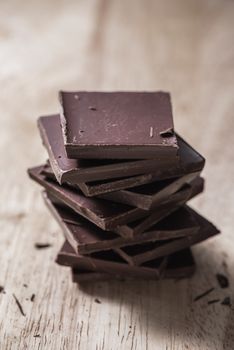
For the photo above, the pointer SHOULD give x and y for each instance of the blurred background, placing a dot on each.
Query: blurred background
(181, 46)
(185, 47)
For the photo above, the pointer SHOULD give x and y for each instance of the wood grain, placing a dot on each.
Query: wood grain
(183, 46)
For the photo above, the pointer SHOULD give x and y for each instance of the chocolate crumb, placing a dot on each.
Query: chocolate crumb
(2, 290)
(92, 108)
(222, 280)
(42, 245)
(213, 301)
(32, 297)
(37, 336)
(19, 305)
(25, 285)
(226, 301)
(203, 294)
(97, 301)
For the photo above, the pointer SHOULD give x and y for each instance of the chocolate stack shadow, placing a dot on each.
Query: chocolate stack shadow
(117, 181)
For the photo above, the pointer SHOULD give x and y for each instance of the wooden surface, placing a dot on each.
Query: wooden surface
(185, 47)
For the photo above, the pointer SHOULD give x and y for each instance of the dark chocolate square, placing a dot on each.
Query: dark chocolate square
(86, 170)
(150, 195)
(118, 124)
(109, 262)
(87, 238)
(105, 214)
(140, 253)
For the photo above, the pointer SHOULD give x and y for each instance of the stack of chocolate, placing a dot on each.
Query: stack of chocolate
(118, 181)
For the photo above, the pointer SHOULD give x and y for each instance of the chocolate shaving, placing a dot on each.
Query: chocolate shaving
(203, 294)
(2, 290)
(19, 305)
(37, 336)
(92, 108)
(226, 301)
(97, 301)
(42, 245)
(222, 280)
(213, 301)
(32, 297)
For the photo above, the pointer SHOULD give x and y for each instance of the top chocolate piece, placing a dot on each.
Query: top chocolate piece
(118, 125)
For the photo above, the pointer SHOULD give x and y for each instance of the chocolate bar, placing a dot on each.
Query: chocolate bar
(150, 195)
(91, 189)
(145, 197)
(179, 265)
(87, 238)
(94, 188)
(133, 228)
(107, 215)
(83, 170)
(118, 124)
(138, 254)
(103, 213)
(108, 262)
(86, 170)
